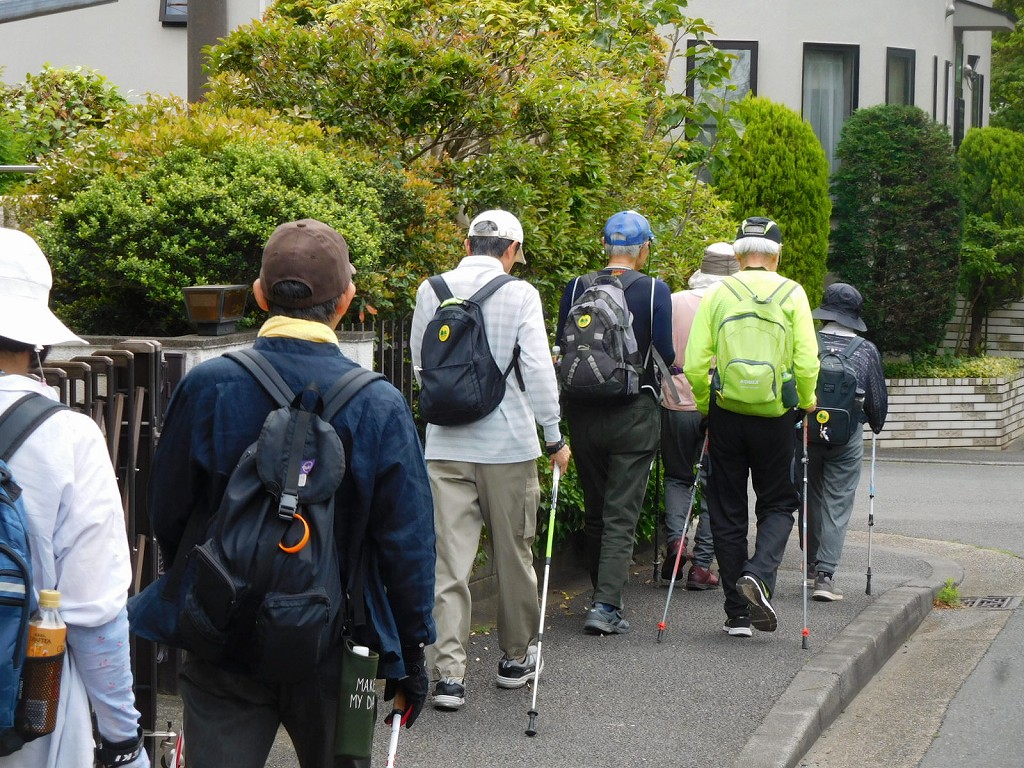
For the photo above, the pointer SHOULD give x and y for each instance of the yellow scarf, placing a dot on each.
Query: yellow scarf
(292, 328)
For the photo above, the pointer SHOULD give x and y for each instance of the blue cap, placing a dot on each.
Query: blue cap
(627, 228)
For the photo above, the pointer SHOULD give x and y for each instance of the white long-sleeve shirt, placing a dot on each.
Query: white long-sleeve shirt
(79, 547)
(512, 314)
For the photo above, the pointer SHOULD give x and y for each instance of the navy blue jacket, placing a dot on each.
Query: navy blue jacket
(216, 413)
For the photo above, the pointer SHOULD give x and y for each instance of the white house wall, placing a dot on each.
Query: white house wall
(123, 41)
(781, 27)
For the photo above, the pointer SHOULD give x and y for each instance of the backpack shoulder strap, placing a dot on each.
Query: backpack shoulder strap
(490, 287)
(441, 289)
(21, 419)
(345, 389)
(264, 373)
(851, 347)
(729, 283)
(586, 281)
(787, 282)
(631, 277)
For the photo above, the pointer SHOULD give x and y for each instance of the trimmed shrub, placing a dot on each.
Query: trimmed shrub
(172, 196)
(781, 171)
(899, 218)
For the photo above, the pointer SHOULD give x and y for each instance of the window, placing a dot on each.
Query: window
(830, 92)
(174, 13)
(899, 76)
(742, 75)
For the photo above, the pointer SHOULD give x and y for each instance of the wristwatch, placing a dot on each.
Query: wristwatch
(553, 448)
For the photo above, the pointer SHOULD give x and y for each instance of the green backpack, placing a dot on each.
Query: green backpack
(753, 345)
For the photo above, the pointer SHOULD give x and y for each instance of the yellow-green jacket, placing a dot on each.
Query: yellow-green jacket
(801, 338)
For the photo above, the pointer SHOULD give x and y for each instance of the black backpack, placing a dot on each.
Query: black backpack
(600, 358)
(459, 381)
(17, 596)
(839, 410)
(265, 588)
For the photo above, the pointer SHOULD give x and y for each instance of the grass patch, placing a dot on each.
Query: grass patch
(949, 595)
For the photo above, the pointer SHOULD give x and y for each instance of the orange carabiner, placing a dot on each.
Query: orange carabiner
(302, 542)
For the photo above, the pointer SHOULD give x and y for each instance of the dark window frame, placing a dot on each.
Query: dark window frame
(174, 13)
(908, 57)
(851, 57)
(726, 45)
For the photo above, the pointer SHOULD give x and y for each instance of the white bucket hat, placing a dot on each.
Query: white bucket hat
(25, 281)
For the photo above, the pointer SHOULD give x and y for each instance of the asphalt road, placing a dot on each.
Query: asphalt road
(697, 698)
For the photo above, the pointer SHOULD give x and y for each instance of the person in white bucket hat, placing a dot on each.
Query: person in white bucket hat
(75, 527)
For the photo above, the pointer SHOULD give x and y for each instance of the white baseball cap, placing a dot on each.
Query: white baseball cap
(499, 223)
(25, 282)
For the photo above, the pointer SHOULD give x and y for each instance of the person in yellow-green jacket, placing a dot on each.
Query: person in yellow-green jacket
(755, 329)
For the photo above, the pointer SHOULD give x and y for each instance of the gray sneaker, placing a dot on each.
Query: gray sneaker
(825, 589)
(515, 673)
(602, 622)
(449, 693)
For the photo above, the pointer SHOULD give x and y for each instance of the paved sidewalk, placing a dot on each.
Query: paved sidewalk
(699, 698)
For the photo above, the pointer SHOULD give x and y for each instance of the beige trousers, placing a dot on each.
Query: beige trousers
(505, 498)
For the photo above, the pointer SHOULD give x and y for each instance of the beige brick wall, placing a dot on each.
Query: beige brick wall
(1005, 330)
(949, 413)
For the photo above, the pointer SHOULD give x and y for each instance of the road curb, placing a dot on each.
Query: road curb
(832, 678)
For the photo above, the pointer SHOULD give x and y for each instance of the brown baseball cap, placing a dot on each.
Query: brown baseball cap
(308, 252)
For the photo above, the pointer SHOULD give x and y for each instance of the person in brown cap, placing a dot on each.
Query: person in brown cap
(833, 470)
(216, 412)
(680, 430)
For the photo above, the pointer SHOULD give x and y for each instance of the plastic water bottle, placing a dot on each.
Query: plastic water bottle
(44, 665)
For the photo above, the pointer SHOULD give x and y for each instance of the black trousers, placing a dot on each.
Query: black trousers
(232, 719)
(763, 449)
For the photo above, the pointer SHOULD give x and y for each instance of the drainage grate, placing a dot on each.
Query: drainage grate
(992, 602)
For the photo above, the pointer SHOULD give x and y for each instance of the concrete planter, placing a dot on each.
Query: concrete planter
(951, 413)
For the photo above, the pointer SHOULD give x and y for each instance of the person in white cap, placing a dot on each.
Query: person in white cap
(76, 530)
(485, 472)
(681, 432)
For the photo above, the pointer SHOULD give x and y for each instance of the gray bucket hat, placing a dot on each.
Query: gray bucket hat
(843, 304)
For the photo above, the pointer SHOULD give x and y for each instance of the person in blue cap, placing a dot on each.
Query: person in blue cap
(615, 434)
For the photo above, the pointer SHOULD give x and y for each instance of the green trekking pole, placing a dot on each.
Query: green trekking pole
(531, 728)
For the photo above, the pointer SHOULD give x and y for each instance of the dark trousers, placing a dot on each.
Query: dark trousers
(761, 448)
(232, 719)
(613, 447)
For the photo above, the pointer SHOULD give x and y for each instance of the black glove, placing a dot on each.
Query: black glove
(414, 687)
(703, 427)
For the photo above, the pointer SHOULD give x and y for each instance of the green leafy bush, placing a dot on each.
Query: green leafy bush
(781, 171)
(898, 218)
(949, 366)
(170, 195)
(123, 249)
(54, 105)
(992, 259)
(12, 151)
(547, 110)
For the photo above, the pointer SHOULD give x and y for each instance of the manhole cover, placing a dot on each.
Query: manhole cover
(992, 602)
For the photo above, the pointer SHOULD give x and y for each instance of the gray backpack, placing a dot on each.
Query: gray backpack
(600, 357)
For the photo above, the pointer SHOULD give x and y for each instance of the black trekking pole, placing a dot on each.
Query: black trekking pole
(531, 728)
(658, 516)
(806, 632)
(686, 524)
(871, 510)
